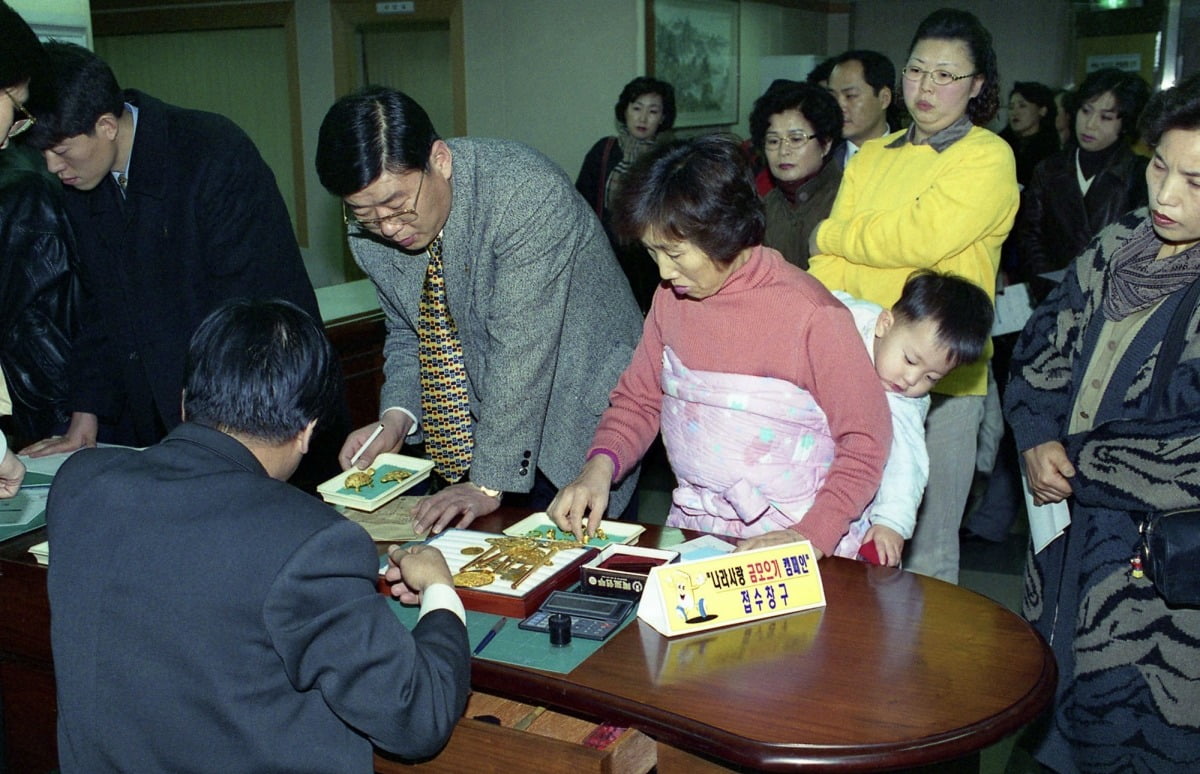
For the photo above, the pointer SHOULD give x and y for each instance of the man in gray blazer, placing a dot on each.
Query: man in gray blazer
(544, 314)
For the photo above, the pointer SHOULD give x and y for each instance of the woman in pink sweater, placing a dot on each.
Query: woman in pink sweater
(742, 357)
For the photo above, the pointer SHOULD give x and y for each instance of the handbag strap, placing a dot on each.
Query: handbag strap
(1172, 346)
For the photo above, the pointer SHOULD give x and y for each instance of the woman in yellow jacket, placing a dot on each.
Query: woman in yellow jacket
(941, 195)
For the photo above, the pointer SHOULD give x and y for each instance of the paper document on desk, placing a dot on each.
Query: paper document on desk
(393, 523)
(1046, 522)
(41, 552)
(27, 505)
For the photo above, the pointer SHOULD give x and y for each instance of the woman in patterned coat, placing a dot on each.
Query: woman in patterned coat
(1128, 697)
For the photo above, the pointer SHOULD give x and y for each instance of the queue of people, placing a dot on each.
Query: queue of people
(811, 341)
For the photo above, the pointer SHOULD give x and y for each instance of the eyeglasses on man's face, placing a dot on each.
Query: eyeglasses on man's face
(793, 140)
(939, 77)
(404, 216)
(20, 124)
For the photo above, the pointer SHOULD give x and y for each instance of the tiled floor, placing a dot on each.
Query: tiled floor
(991, 569)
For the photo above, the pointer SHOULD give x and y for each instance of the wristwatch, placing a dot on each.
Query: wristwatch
(496, 493)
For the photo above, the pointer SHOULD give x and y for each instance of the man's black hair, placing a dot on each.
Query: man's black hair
(370, 132)
(263, 369)
(85, 88)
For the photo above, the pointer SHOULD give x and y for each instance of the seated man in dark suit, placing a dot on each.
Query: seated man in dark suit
(208, 616)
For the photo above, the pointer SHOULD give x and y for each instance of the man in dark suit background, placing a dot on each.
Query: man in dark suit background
(174, 212)
(205, 615)
(543, 312)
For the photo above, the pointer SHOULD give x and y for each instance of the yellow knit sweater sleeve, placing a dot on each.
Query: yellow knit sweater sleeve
(901, 209)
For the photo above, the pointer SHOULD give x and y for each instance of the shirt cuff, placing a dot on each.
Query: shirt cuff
(412, 430)
(440, 596)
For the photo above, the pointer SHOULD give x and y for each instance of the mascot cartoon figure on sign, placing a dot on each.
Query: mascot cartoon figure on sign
(690, 606)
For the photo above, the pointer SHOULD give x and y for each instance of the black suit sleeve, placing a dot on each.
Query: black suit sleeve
(591, 177)
(335, 633)
(251, 250)
(1033, 258)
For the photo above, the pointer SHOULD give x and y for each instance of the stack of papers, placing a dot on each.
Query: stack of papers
(41, 552)
(393, 523)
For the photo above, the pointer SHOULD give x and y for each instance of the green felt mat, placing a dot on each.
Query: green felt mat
(11, 531)
(514, 645)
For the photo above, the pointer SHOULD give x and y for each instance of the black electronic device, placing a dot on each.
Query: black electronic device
(592, 618)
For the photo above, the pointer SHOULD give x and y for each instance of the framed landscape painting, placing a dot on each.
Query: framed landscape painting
(693, 45)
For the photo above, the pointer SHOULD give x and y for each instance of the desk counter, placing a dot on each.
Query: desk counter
(899, 670)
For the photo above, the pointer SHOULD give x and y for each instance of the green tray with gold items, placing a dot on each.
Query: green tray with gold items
(389, 476)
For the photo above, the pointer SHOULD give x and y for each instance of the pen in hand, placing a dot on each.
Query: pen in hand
(488, 637)
(370, 440)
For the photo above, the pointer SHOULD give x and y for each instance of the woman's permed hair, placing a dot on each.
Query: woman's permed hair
(1176, 108)
(699, 190)
(817, 106)
(21, 57)
(954, 24)
(643, 85)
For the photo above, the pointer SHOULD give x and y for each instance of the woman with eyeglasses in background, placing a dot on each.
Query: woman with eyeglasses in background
(939, 195)
(794, 126)
(36, 249)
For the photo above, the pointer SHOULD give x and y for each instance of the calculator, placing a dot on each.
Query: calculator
(592, 618)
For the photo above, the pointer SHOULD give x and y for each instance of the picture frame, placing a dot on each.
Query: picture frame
(693, 45)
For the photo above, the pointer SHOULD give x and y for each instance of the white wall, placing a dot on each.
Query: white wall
(548, 72)
(326, 234)
(767, 29)
(60, 13)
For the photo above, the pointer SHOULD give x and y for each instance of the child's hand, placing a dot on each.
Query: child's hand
(888, 543)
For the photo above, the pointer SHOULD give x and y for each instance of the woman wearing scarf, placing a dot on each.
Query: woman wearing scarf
(1128, 697)
(645, 108)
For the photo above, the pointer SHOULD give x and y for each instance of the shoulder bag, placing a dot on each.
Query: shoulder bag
(1170, 541)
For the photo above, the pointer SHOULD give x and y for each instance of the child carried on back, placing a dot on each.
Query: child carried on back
(940, 321)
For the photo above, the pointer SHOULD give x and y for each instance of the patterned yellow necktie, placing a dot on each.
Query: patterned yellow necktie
(444, 400)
